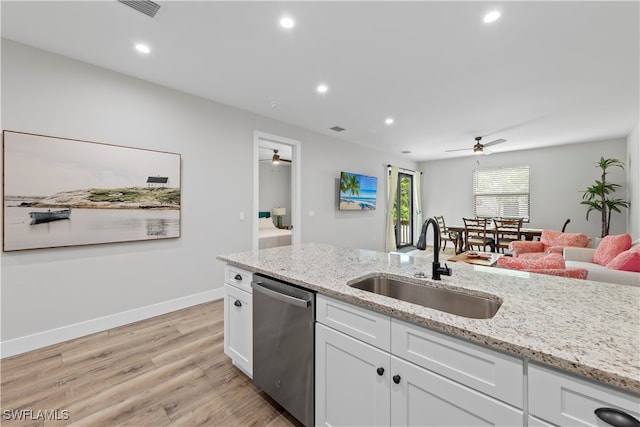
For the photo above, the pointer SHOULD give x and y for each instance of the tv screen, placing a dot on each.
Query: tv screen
(357, 192)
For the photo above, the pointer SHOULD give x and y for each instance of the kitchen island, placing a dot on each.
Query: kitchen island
(589, 329)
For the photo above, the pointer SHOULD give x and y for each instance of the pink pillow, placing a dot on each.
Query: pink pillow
(626, 261)
(610, 247)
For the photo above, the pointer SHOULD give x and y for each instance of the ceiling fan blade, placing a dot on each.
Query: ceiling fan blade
(459, 149)
(496, 142)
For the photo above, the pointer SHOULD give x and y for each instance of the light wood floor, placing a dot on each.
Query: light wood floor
(168, 370)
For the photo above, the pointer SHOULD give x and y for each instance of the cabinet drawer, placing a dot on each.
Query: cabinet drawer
(365, 325)
(238, 277)
(564, 399)
(488, 371)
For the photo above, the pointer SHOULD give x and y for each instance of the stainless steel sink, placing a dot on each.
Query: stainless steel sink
(460, 304)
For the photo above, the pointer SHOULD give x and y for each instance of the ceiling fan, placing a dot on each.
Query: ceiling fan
(479, 148)
(276, 158)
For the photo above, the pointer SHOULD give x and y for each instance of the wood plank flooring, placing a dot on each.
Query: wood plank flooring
(169, 370)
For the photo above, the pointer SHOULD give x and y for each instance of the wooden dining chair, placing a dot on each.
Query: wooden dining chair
(507, 231)
(445, 233)
(475, 234)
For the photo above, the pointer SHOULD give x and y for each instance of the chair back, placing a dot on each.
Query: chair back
(441, 224)
(507, 231)
(475, 233)
(446, 234)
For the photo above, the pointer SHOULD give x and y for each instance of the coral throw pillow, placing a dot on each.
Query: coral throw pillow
(610, 247)
(626, 261)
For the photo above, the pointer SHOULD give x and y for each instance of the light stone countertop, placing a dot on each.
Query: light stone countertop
(587, 328)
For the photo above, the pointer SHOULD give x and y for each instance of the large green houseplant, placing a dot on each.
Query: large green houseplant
(599, 196)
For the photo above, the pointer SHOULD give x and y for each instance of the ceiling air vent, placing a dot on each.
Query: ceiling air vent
(147, 7)
(337, 128)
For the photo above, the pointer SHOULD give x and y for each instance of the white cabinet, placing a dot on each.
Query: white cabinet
(352, 384)
(562, 399)
(238, 318)
(358, 383)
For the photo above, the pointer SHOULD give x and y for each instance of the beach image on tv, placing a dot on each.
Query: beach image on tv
(357, 192)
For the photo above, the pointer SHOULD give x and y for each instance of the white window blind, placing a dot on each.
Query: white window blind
(502, 193)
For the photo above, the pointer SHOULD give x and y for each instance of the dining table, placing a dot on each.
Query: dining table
(459, 243)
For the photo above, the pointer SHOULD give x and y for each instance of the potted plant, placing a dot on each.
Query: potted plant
(599, 196)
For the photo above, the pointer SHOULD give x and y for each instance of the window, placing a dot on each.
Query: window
(501, 193)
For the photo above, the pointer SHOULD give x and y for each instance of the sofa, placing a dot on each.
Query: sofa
(609, 262)
(551, 241)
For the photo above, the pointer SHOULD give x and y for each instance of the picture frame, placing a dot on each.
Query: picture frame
(60, 192)
(357, 192)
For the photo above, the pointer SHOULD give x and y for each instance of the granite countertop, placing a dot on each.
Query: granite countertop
(591, 329)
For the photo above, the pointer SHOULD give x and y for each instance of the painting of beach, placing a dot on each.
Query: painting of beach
(357, 192)
(64, 192)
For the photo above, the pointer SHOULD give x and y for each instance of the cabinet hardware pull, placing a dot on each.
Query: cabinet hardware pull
(237, 303)
(396, 379)
(380, 371)
(616, 417)
(238, 277)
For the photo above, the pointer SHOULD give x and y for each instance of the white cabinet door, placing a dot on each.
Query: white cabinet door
(238, 327)
(420, 397)
(352, 381)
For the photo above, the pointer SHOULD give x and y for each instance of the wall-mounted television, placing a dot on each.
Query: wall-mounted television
(357, 192)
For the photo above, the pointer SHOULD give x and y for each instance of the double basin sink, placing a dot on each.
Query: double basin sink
(449, 301)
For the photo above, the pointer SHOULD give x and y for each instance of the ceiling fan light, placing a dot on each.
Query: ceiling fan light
(276, 157)
(477, 149)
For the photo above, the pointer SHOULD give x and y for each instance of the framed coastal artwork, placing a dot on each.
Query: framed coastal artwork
(357, 192)
(60, 192)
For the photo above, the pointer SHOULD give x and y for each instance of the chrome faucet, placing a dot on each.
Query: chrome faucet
(422, 245)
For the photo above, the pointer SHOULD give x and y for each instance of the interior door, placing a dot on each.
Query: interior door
(261, 140)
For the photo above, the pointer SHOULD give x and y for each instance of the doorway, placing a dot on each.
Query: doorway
(403, 211)
(288, 149)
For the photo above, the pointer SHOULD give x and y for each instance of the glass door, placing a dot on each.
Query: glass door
(402, 211)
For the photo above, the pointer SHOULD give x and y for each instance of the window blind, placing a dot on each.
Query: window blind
(502, 193)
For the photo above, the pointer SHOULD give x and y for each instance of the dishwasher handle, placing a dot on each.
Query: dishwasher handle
(262, 287)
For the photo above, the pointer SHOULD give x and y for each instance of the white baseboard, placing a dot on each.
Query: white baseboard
(65, 333)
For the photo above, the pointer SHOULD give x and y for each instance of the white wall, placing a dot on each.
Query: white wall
(275, 188)
(48, 94)
(633, 181)
(558, 177)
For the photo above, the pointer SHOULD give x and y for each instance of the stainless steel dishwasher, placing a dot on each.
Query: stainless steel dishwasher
(283, 345)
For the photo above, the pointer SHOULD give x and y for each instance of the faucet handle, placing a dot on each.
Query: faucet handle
(447, 270)
(444, 270)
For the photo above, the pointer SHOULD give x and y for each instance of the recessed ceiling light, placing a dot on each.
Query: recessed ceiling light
(143, 48)
(491, 16)
(286, 22)
(322, 88)
(389, 120)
